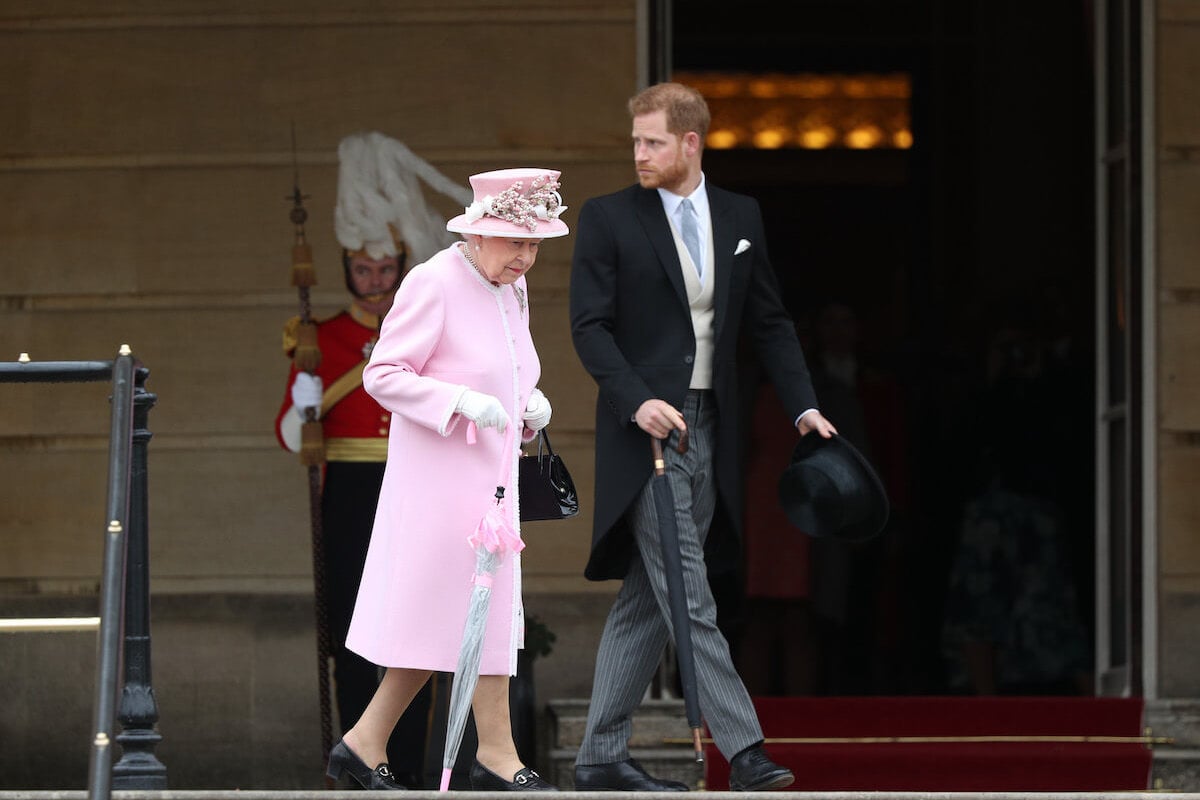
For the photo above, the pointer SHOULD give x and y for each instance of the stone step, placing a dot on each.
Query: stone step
(234, 794)
(655, 724)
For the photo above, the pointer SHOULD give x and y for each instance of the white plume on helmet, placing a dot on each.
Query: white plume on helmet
(378, 188)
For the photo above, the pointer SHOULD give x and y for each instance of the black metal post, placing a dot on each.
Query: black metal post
(113, 582)
(138, 768)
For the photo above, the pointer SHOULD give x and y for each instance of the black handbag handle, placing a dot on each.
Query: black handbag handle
(544, 438)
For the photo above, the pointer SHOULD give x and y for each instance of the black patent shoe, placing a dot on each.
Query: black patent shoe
(526, 780)
(342, 759)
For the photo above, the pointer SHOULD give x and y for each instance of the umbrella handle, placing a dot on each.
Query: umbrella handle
(657, 451)
(660, 466)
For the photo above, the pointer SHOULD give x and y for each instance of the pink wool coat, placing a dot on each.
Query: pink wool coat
(449, 330)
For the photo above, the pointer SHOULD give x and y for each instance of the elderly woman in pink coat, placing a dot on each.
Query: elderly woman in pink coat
(454, 354)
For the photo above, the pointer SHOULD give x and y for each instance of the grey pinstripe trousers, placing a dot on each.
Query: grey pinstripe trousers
(638, 625)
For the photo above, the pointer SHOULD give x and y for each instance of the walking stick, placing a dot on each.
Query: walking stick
(306, 358)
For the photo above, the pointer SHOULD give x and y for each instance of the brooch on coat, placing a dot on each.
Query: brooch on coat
(520, 293)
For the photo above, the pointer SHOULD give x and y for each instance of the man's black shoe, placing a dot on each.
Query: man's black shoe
(622, 776)
(751, 771)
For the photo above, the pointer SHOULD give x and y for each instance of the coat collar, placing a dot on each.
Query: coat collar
(654, 220)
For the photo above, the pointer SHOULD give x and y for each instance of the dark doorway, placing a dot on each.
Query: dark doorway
(967, 264)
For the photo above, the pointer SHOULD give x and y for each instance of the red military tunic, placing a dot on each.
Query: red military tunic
(355, 427)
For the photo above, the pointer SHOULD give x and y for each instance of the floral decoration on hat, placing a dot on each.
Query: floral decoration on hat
(542, 203)
(521, 203)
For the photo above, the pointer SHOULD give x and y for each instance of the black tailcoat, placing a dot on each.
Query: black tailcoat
(632, 329)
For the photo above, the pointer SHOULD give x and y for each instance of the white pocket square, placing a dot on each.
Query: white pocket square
(742, 246)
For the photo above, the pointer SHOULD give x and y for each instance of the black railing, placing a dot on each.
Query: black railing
(125, 587)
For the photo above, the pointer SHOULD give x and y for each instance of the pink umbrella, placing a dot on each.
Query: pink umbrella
(493, 540)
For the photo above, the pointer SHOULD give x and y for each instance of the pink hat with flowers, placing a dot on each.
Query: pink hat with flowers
(519, 203)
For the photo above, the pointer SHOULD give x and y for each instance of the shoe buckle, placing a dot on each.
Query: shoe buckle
(522, 779)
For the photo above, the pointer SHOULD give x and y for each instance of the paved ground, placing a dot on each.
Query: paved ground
(430, 795)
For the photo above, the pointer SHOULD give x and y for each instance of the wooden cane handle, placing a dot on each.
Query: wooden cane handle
(681, 447)
(660, 465)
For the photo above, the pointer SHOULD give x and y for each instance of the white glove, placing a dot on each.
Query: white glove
(537, 411)
(483, 409)
(307, 391)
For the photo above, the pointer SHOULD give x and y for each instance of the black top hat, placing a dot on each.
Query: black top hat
(830, 489)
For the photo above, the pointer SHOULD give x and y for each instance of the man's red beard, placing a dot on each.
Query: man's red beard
(667, 178)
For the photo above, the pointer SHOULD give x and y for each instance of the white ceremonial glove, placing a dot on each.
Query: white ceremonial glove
(537, 411)
(483, 409)
(307, 391)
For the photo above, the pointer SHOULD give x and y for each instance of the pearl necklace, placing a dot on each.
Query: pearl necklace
(466, 251)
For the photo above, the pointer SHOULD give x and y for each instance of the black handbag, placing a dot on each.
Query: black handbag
(546, 488)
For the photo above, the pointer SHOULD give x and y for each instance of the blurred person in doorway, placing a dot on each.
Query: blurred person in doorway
(1012, 612)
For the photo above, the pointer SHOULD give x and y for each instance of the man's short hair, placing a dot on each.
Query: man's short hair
(684, 106)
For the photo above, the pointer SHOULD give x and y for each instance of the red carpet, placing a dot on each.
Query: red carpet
(964, 765)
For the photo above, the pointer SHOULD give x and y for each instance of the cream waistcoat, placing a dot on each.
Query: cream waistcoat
(700, 301)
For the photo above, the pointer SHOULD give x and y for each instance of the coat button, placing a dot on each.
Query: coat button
(688, 359)
(383, 431)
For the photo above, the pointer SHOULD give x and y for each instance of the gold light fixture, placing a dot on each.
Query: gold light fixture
(807, 111)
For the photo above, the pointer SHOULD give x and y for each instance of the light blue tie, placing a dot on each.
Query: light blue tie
(691, 233)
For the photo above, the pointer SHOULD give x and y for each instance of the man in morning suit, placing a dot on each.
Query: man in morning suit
(667, 275)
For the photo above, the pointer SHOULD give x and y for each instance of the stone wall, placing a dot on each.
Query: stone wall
(1177, 200)
(147, 158)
